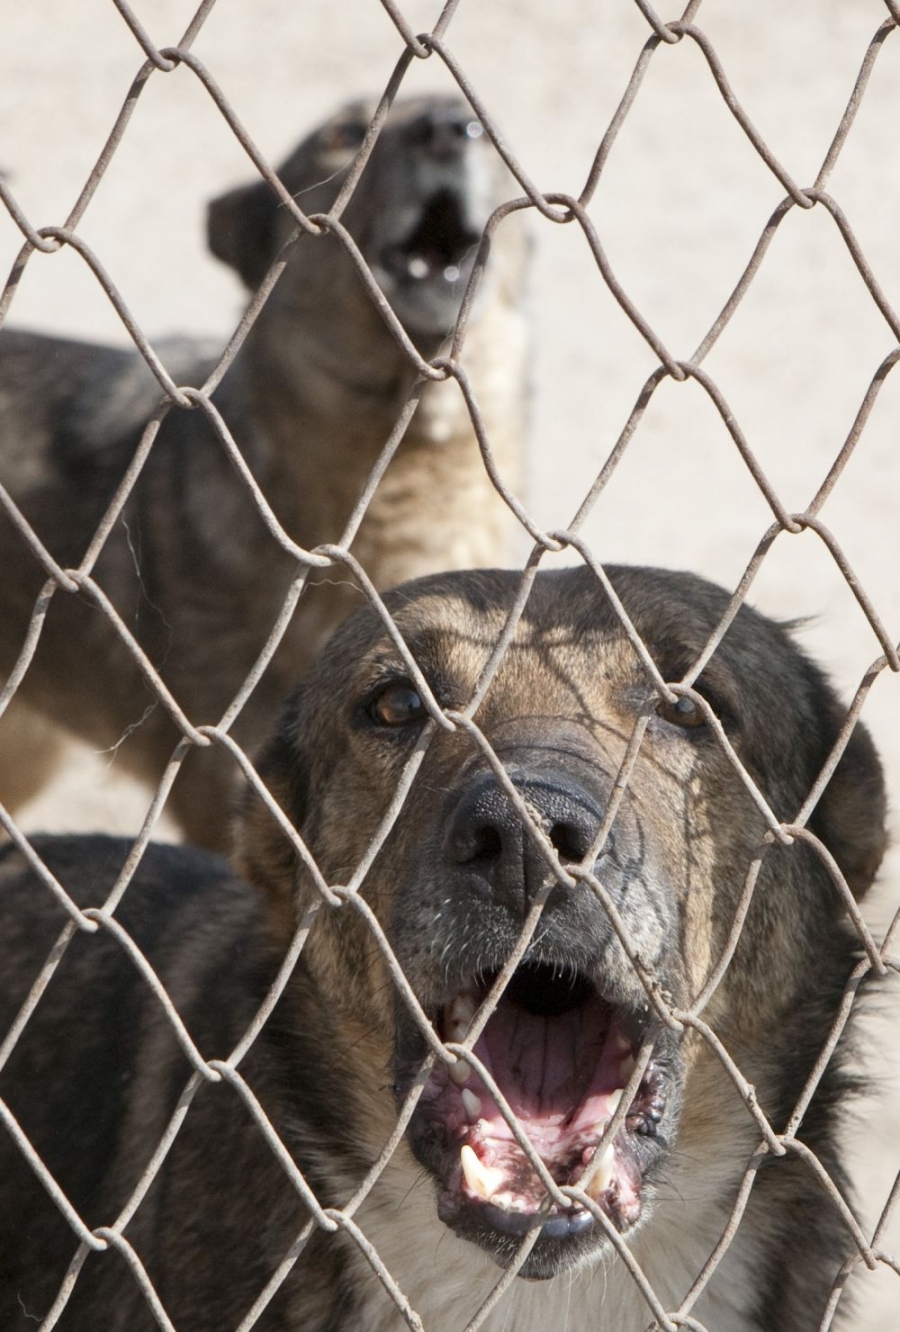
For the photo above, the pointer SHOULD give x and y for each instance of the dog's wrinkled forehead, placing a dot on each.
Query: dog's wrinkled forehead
(570, 661)
(451, 624)
(571, 652)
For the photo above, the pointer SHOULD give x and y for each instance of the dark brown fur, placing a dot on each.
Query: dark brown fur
(97, 1074)
(311, 400)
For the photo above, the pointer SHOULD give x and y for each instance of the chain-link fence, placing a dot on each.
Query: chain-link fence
(831, 470)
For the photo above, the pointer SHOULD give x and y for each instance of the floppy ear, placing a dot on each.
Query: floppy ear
(850, 815)
(240, 230)
(262, 852)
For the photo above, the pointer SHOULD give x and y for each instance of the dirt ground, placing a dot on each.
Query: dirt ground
(683, 200)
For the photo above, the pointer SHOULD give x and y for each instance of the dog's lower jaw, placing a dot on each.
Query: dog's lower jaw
(447, 1279)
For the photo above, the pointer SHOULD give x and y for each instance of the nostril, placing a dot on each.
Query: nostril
(477, 842)
(461, 126)
(485, 844)
(568, 841)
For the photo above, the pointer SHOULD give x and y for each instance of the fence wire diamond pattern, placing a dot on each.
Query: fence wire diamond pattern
(556, 209)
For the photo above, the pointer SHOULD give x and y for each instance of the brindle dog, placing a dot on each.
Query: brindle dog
(96, 1077)
(311, 400)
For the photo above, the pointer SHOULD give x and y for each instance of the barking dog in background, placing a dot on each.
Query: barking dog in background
(310, 400)
(97, 1073)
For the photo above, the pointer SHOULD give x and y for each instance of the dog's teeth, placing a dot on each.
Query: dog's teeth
(459, 1072)
(604, 1174)
(626, 1068)
(459, 1017)
(613, 1100)
(508, 1202)
(472, 1104)
(463, 1009)
(481, 1179)
(457, 1021)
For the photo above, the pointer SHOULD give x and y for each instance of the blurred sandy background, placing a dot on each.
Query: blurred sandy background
(681, 204)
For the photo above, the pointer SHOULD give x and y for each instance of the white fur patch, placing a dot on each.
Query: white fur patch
(447, 1279)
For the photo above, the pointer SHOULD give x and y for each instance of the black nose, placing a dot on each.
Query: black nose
(444, 129)
(486, 835)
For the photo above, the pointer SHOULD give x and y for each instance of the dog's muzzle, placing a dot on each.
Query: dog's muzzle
(422, 240)
(562, 1041)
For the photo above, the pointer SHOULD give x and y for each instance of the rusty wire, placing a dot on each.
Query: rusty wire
(559, 209)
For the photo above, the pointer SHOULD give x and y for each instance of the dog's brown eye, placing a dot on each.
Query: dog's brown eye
(683, 712)
(397, 704)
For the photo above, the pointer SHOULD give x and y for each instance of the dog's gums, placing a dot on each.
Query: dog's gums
(561, 1056)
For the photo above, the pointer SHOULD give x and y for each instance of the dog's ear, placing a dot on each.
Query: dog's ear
(240, 230)
(850, 815)
(262, 852)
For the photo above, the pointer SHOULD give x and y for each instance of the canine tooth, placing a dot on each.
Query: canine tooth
(471, 1103)
(459, 1017)
(613, 1100)
(626, 1067)
(457, 1021)
(481, 1179)
(604, 1174)
(459, 1072)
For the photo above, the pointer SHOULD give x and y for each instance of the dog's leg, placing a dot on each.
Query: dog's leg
(203, 798)
(30, 751)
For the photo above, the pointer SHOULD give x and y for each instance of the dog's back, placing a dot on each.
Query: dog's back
(97, 1076)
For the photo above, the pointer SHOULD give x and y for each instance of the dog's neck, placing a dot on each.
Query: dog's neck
(314, 445)
(446, 1279)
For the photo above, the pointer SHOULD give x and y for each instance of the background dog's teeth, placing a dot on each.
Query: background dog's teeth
(459, 1072)
(481, 1179)
(472, 1104)
(605, 1170)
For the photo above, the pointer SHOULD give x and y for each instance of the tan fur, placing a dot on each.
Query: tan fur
(30, 752)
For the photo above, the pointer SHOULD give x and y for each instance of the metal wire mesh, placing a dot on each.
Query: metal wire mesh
(560, 210)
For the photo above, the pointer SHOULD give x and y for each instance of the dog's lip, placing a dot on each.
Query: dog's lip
(441, 246)
(563, 1072)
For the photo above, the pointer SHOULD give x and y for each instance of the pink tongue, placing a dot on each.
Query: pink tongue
(545, 1065)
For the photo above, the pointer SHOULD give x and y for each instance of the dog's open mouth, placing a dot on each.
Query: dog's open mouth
(441, 246)
(561, 1055)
